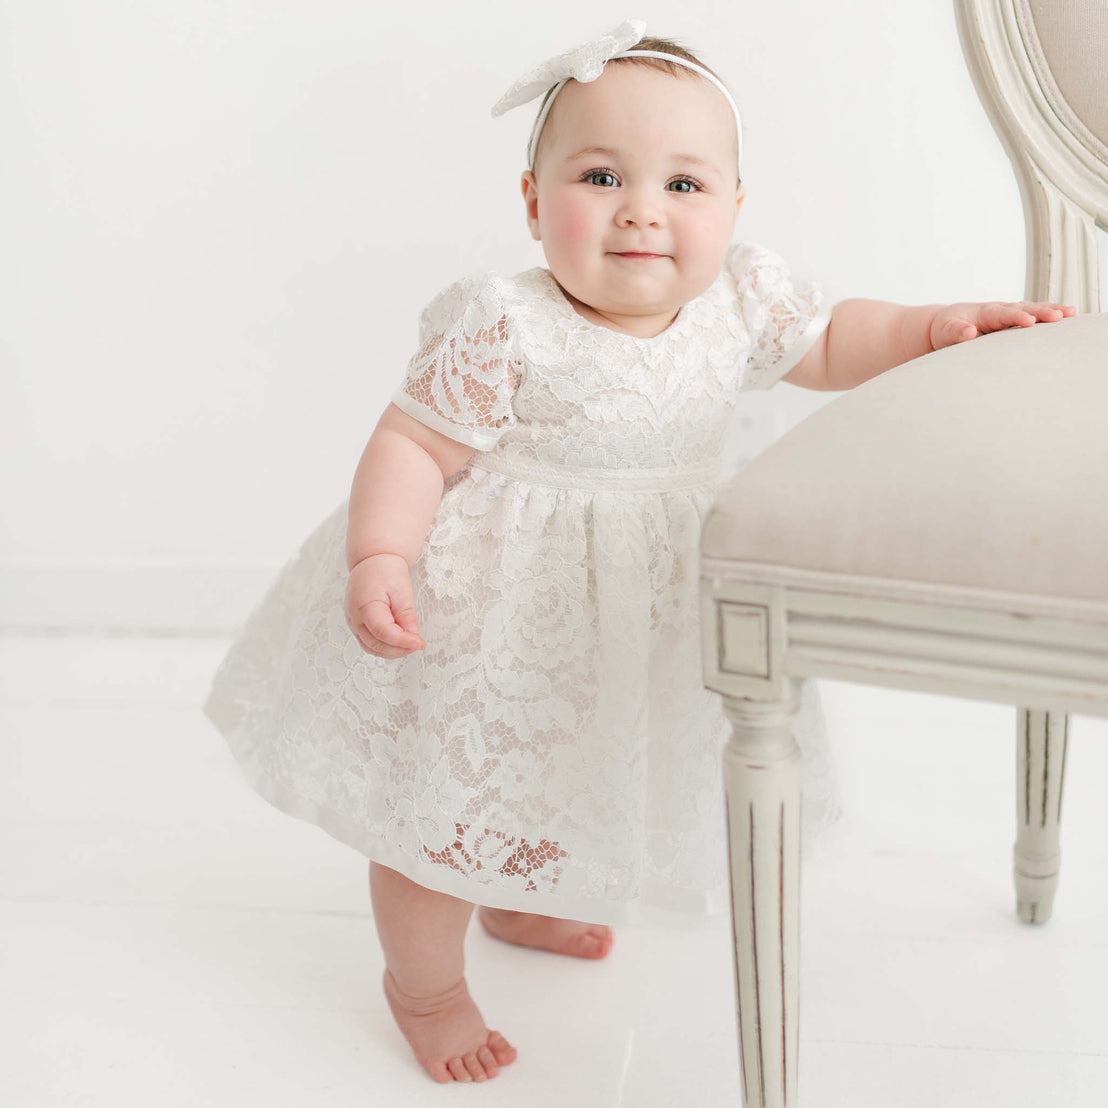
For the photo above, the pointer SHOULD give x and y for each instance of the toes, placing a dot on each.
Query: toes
(502, 1050)
(457, 1067)
(476, 1070)
(485, 1057)
(595, 943)
(441, 1074)
(478, 1065)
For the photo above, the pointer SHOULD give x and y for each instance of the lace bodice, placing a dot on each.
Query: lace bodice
(508, 362)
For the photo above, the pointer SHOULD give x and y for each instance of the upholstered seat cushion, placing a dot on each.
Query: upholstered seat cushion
(983, 465)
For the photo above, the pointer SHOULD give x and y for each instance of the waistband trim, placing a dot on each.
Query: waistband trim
(662, 479)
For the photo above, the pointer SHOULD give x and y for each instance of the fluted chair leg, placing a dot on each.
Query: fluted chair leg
(761, 773)
(1041, 739)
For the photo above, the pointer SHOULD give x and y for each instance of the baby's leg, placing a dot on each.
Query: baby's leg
(560, 936)
(422, 934)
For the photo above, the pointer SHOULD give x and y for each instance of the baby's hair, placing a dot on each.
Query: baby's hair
(662, 46)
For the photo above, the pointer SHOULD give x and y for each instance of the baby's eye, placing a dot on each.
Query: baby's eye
(598, 173)
(686, 181)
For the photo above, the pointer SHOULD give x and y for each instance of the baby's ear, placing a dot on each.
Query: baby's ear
(740, 195)
(529, 187)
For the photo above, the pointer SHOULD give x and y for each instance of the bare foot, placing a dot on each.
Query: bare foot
(447, 1034)
(562, 936)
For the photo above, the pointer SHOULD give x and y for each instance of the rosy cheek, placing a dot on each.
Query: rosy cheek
(571, 219)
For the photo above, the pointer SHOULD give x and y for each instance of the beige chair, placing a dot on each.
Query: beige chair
(942, 528)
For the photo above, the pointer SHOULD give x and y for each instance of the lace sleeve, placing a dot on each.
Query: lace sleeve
(462, 379)
(784, 320)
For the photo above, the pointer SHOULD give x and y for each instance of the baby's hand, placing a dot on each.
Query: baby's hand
(961, 322)
(379, 608)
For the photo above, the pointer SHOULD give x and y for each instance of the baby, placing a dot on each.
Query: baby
(537, 486)
(634, 196)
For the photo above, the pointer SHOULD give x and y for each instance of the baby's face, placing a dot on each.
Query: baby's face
(665, 185)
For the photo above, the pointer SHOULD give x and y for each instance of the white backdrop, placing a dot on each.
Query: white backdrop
(220, 222)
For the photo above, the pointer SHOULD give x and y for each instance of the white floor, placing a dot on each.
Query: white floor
(167, 938)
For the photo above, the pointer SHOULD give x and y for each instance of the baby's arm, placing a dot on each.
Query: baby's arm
(863, 339)
(867, 337)
(396, 490)
(398, 485)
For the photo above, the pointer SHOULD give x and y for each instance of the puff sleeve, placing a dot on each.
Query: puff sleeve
(462, 379)
(784, 319)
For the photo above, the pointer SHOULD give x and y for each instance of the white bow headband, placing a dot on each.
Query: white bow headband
(585, 63)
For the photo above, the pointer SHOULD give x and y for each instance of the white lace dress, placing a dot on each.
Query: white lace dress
(553, 749)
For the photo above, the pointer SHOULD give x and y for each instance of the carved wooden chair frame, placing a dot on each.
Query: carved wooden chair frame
(766, 627)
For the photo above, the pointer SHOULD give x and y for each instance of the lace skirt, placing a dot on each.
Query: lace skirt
(553, 749)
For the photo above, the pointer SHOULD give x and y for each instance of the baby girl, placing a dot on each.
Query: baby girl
(531, 501)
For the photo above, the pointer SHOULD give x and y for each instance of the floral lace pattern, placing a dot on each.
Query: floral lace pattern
(553, 749)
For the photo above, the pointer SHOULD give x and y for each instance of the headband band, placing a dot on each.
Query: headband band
(584, 64)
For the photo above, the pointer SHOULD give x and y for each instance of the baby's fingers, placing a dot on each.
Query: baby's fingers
(374, 646)
(997, 316)
(958, 329)
(405, 616)
(379, 620)
(1046, 311)
(1022, 313)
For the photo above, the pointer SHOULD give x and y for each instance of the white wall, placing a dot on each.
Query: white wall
(220, 221)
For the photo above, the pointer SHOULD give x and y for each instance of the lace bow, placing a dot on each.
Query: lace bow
(583, 63)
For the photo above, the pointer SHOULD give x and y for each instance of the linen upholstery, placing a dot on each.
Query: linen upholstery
(943, 471)
(1065, 44)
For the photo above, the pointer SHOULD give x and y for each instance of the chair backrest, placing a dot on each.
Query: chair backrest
(1041, 70)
